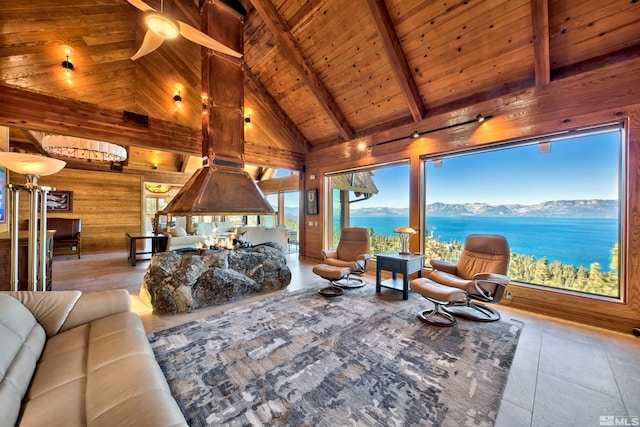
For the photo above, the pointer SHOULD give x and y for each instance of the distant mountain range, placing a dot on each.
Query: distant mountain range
(558, 208)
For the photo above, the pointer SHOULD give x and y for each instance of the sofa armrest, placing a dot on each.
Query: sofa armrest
(95, 305)
(50, 309)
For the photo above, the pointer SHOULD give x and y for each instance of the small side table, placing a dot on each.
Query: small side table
(158, 244)
(395, 262)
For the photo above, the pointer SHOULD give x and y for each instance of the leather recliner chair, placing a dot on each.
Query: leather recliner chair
(353, 253)
(478, 275)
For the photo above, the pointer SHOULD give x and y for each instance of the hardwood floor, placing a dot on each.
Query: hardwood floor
(563, 373)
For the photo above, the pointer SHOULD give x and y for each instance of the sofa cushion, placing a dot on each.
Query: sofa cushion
(22, 341)
(185, 242)
(50, 309)
(99, 373)
(226, 227)
(257, 235)
(206, 228)
(178, 232)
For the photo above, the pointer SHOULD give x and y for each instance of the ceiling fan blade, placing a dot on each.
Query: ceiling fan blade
(141, 5)
(202, 39)
(151, 42)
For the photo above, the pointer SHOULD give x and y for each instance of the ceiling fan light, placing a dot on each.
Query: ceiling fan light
(162, 26)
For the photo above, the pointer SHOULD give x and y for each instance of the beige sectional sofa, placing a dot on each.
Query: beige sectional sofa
(73, 359)
(257, 235)
(178, 238)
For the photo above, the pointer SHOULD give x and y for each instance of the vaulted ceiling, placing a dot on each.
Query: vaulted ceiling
(318, 72)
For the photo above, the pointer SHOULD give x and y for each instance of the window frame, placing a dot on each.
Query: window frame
(328, 207)
(623, 172)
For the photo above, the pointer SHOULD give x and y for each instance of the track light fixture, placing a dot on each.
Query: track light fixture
(416, 134)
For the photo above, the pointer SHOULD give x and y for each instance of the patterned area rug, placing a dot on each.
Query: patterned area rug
(362, 359)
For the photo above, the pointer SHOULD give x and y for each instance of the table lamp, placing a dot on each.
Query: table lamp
(404, 233)
(32, 167)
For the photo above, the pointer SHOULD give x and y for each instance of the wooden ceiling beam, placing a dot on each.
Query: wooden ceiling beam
(189, 10)
(287, 43)
(269, 105)
(540, 21)
(397, 58)
(305, 10)
(184, 162)
(36, 140)
(273, 157)
(598, 63)
(46, 113)
(165, 177)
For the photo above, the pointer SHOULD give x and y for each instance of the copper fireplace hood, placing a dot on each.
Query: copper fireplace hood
(219, 190)
(221, 186)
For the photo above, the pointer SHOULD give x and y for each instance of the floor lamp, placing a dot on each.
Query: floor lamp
(32, 167)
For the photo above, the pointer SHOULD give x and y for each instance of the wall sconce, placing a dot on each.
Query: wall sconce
(67, 66)
(248, 115)
(177, 100)
(404, 233)
(205, 103)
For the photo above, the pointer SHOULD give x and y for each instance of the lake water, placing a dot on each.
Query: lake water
(576, 241)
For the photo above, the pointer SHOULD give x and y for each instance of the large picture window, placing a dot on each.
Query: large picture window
(557, 201)
(376, 199)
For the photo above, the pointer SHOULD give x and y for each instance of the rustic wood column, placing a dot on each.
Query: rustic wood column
(223, 87)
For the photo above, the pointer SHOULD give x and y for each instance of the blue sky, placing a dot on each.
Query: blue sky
(581, 168)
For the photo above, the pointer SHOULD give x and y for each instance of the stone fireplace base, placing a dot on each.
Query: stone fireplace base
(177, 283)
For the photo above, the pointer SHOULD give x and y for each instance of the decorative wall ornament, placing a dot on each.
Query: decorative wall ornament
(157, 188)
(60, 201)
(311, 201)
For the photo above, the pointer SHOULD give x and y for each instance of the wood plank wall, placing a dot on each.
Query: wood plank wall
(109, 204)
(609, 94)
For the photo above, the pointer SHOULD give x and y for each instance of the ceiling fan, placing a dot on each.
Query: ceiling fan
(161, 27)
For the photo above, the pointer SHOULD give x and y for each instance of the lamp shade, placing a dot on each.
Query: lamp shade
(162, 26)
(404, 232)
(30, 164)
(405, 229)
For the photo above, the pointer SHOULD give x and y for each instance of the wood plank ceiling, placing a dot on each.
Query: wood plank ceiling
(318, 72)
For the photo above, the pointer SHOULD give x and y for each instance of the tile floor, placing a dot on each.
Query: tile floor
(566, 374)
(563, 373)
